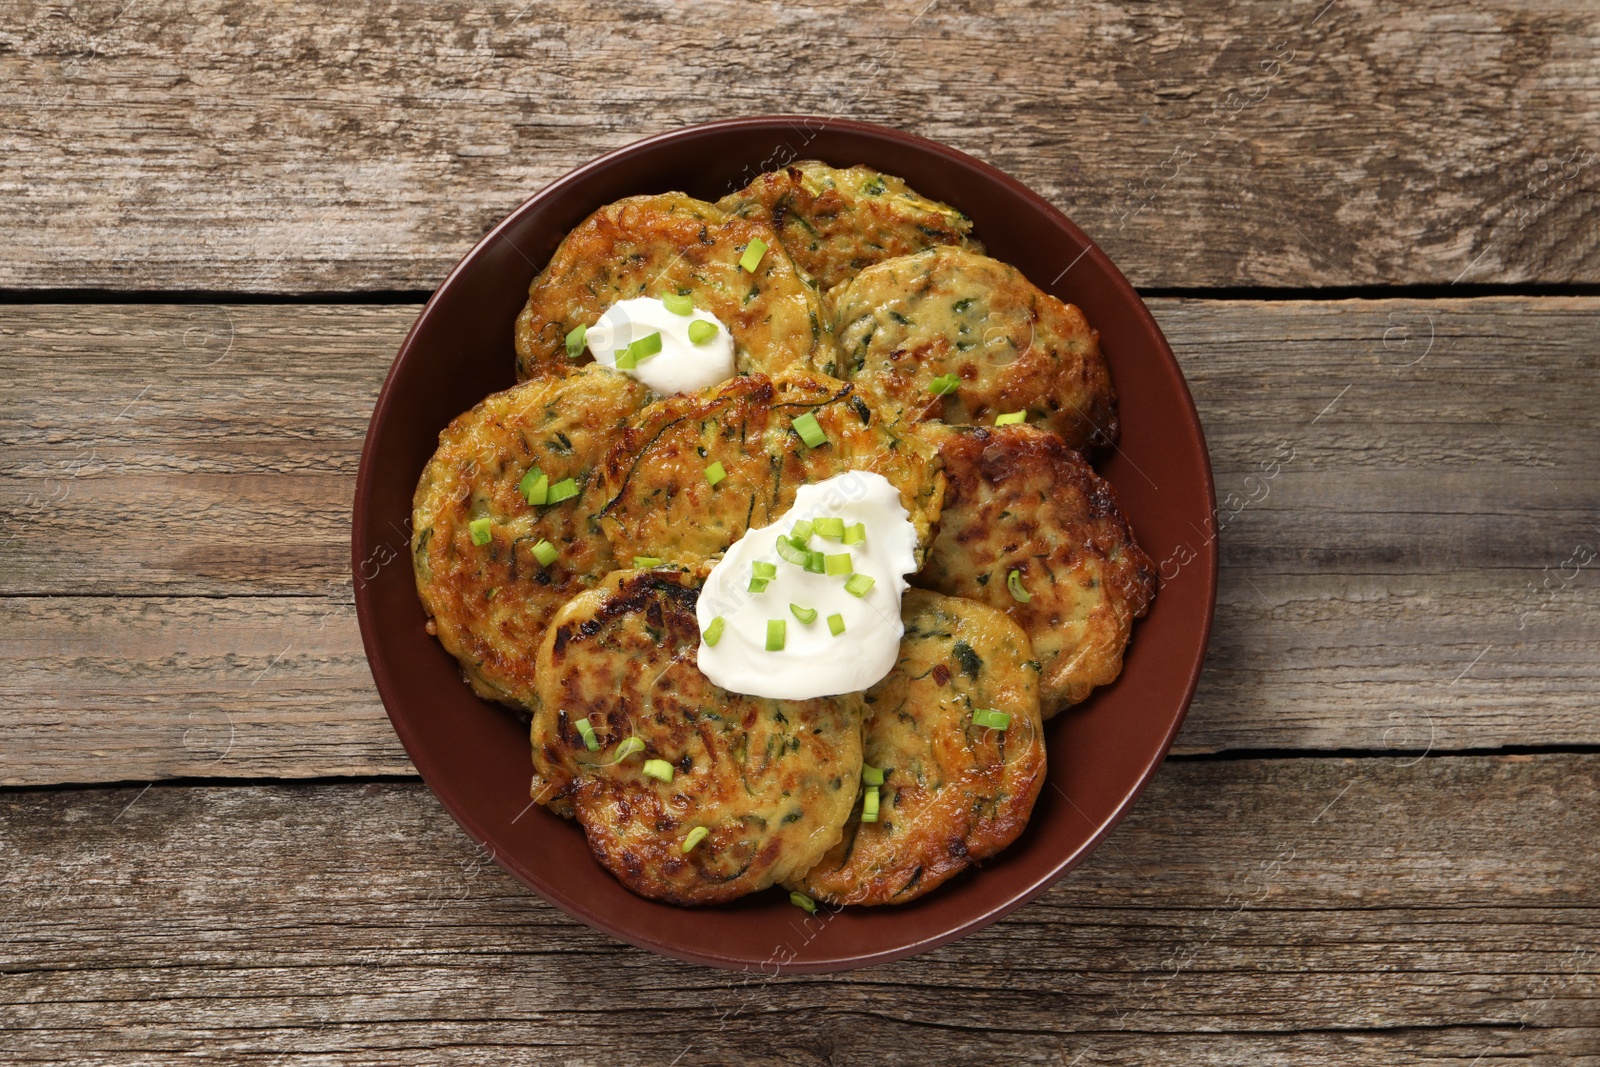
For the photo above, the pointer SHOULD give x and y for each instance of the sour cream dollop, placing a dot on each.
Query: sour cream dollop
(813, 662)
(681, 366)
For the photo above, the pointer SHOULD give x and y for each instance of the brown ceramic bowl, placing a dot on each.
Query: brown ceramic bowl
(475, 756)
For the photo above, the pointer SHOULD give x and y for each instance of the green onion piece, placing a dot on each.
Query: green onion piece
(479, 529)
(836, 624)
(869, 804)
(646, 562)
(807, 615)
(871, 775)
(855, 535)
(811, 433)
(586, 731)
(626, 360)
(775, 634)
(944, 384)
(752, 255)
(831, 528)
(565, 489)
(792, 552)
(697, 835)
(576, 340)
(535, 486)
(1011, 418)
(995, 720)
(803, 902)
(490, 595)
(643, 349)
(678, 304)
(858, 584)
(838, 564)
(759, 585)
(659, 769)
(715, 473)
(713, 632)
(1014, 584)
(762, 569)
(701, 331)
(545, 553)
(815, 562)
(630, 746)
(802, 532)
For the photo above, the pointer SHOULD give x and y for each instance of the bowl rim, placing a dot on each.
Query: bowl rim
(461, 811)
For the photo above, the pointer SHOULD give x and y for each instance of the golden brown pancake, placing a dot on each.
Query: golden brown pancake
(903, 323)
(655, 245)
(954, 792)
(1018, 499)
(771, 781)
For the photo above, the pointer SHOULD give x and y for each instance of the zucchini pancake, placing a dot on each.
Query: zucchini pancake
(825, 358)
(675, 245)
(835, 222)
(952, 335)
(951, 790)
(1030, 529)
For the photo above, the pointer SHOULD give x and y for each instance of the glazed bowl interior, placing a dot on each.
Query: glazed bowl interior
(475, 755)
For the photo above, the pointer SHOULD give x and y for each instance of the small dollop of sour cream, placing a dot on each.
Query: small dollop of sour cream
(814, 662)
(681, 366)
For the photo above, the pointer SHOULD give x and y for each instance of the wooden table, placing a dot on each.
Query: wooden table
(1373, 238)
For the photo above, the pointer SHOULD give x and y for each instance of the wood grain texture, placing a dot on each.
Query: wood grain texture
(174, 562)
(303, 147)
(1235, 914)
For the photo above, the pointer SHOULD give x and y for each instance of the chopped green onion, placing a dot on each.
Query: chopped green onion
(576, 340)
(855, 535)
(629, 746)
(752, 255)
(869, 804)
(803, 902)
(490, 595)
(806, 615)
(586, 731)
(565, 489)
(802, 532)
(545, 552)
(1011, 418)
(995, 720)
(626, 360)
(792, 552)
(832, 528)
(1014, 584)
(759, 585)
(811, 433)
(644, 348)
(775, 634)
(646, 562)
(529, 485)
(762, 569)
(701, 331)
(836, 624)
(715, 473)
(479, 529)
(944, 384)
(678, 304)
(815, 562)
(858, 584)
(838, 564)
(697, 835)
(871, 775)
(659, 769)
(713, 632)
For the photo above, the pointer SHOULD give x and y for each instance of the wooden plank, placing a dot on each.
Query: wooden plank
(1238, 912)
(298, 147)
(179, 513)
